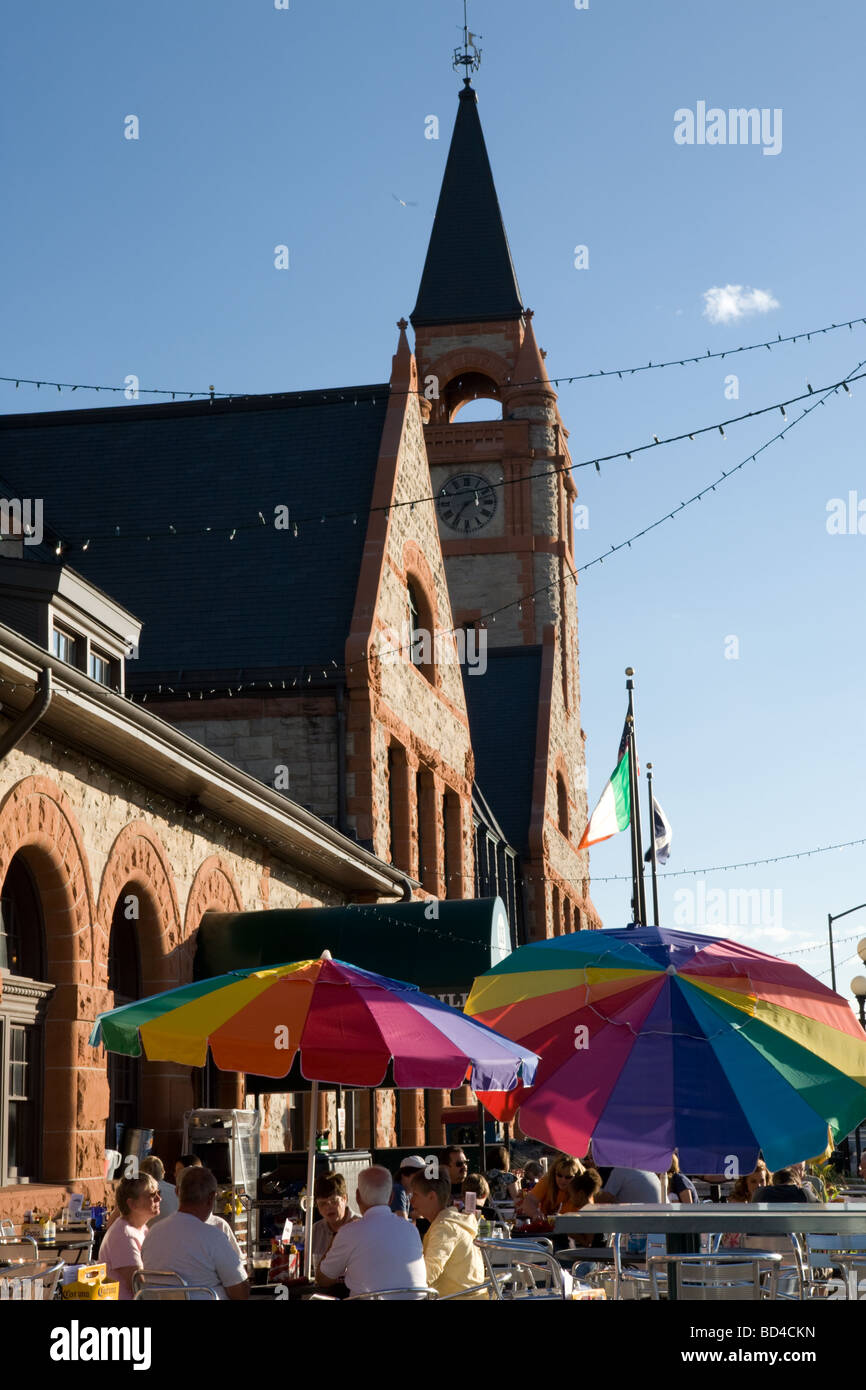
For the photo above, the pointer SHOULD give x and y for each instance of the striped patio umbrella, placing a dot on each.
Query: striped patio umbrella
(653, 1040)
(347, 1026)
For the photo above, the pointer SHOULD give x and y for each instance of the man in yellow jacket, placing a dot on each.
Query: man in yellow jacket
(452, 1259)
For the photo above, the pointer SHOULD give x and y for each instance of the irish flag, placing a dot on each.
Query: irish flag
(612, 812)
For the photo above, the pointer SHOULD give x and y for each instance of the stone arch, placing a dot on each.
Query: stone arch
(37, 821)
(139, 861)
(464, 374)
(419, 574)
(138, 857)
(214, 889)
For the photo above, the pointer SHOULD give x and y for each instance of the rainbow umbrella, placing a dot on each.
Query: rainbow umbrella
(654, 1040)
(347, 1026)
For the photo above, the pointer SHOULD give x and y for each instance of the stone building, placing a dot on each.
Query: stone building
(506, 519)
(404, 668)
(117, 834)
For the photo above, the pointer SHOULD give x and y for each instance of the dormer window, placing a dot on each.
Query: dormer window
(65, 646)
(100, 668)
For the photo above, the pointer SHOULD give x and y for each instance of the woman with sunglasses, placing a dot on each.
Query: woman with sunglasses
(551, 1194)
(138, 1201)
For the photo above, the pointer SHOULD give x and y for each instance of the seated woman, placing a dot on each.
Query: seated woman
(550, 1195)
(680, 1188)
(503, 1183)
(332, 1204)
(452, 1259)
(138, 1201)
(480, 1186)
(583, 1190)
(746, 1186)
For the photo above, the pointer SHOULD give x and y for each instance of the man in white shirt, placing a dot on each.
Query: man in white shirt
(188, 1244)
(381, 1251)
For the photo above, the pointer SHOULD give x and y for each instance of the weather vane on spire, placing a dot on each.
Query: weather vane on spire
(469, 56)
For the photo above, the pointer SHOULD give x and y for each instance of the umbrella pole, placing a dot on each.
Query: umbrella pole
(311, 1180)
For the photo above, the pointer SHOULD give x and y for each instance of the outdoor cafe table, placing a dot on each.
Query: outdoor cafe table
(790, 1219)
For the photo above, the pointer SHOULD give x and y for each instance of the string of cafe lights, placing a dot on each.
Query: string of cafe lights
(308, 669)
(325, 396)
(63, 545)
(157, 803)
(820, 946)
(529, 597)
(745, 864)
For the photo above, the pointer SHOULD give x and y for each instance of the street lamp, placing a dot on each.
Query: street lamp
(831, 918)
(858, 989)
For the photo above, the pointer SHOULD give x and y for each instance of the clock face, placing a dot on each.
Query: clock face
(466, 503)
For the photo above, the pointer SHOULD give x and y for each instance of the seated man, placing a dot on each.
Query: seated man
(453, 1260)
(631, 1185)
(784, 1188)
(188, 1244)
(381, 1251)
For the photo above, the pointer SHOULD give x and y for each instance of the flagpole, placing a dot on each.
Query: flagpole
(640, 886)
(635, 894)
(652, 821)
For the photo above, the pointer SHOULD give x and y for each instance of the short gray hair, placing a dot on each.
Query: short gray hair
(375, 1186)
(196, 1186)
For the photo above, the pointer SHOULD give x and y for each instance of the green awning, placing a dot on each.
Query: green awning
(439, 946)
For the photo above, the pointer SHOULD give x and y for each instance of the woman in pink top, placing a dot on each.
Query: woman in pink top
(137, 1202)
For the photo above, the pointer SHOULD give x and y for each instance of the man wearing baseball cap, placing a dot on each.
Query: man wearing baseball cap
(400, 1196)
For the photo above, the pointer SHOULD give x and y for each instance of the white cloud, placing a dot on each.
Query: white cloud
(725, 304)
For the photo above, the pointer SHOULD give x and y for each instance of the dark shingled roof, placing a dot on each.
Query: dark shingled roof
(503, 723)
(468, 275)
(267, 599)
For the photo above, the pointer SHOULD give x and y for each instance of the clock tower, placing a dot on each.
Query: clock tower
(505, 509)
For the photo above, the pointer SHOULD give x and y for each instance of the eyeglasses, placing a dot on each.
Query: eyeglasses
(460, 1163)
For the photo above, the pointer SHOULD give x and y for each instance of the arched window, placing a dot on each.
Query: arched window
(557, 920)
(562, 804)
(469, 395)
(124, 978)
(567, 927)
(22, 963)
(421, 631)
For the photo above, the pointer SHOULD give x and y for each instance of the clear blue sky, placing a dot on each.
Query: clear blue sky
(260, 127)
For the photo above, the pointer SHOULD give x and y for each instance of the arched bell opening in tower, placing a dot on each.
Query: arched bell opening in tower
(470, 392)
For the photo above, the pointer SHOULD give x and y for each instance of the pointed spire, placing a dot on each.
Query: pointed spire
(404, 375)
(468, 275)
(529, 366)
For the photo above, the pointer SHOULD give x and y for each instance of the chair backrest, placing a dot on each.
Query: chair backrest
(821, 1247)
(35, 1280)
(156, 1279)
(189, 1293)
(702, 1278)
(18, 1248)
(394, 1295)
(522, 1269)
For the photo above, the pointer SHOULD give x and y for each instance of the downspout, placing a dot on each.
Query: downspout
(342, 814)
(29, 717)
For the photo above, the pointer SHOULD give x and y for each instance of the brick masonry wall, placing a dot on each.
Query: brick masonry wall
(88, 835)
(426, 718)
(298, 745)
(533, 514)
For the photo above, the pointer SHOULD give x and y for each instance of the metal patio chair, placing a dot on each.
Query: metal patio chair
(188, 1294)
(522, 1269)
(156, 1279)
(734, 1275)
(36, 1280)
(394, 1296)
(18, 1248)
